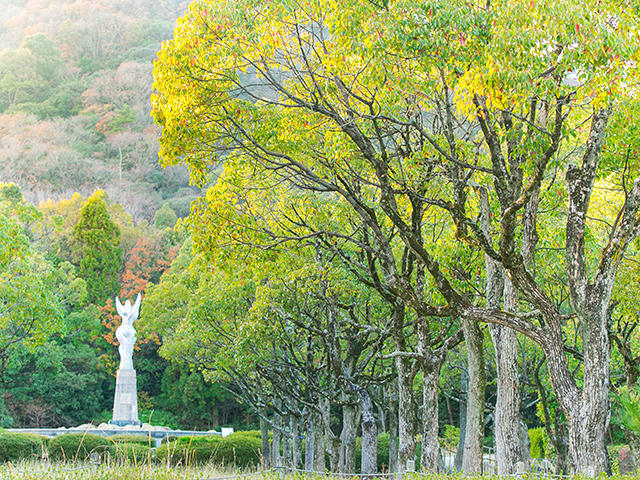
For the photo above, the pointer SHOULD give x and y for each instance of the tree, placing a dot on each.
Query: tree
(97, 244)
(165, 217)
(29, 308)
(322, 100)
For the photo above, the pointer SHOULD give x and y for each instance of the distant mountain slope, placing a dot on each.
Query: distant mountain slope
(75, 81)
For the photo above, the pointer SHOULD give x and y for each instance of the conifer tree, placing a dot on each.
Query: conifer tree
(97, 244)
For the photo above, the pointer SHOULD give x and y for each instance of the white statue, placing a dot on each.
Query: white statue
(125, 333)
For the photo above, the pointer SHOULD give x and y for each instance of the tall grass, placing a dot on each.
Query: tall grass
(71, 471)
(63, 471)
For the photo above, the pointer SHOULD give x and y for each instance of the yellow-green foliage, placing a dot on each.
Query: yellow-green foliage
(20, 446)
(77, 446)
(540, 446)
(450, 437)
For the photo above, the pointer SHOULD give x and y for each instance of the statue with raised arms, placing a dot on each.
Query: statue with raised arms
(125, 333)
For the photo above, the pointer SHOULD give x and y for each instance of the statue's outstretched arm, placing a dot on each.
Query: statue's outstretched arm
(136, 307)
(119, 307)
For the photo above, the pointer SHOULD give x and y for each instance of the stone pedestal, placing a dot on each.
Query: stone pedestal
(125, 402)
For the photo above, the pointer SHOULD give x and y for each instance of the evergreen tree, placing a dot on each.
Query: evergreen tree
(97, 244)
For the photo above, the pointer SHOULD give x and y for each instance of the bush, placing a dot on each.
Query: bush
(540, 447)
(77, 446)
(188, 450)
(20, 446)
(168, 438)
(137, 439)
(241, 449)
(614, 457)
(130, 452)
(450, 438)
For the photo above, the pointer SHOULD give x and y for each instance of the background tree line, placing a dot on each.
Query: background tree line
(62, 264)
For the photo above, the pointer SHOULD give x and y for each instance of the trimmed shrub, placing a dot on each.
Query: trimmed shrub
(188, 450)
(241, 449)
(168, 438)
(20, 446)
(77, 446)
(137, 439)
(130, 452)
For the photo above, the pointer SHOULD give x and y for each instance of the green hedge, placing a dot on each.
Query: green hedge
(188, 450)
(137, 439)
(77, 446)
(130, 452)
(241, 449)
(20, 446)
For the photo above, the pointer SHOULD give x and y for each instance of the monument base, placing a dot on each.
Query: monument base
(124, 423)
(125, 402)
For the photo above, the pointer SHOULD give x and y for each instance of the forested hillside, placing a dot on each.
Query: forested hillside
(75, 82)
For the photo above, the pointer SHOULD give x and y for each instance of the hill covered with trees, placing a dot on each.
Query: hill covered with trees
(75, 82)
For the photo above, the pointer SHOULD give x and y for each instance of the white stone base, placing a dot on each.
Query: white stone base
(125, 402)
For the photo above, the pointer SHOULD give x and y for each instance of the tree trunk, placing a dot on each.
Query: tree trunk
(474, 432)
(406, 433)
(347, 463)
(393, 433)
(588, 423)
(332, 442)
(318, 454)
(369, 427)
(276, 456)
(457, 463)
(508, 450)
(587, 410)
(296, 444)
(266, 449)
(507, 411)
(286, 442)
(562, 448)
(310, 442)
(430, 458)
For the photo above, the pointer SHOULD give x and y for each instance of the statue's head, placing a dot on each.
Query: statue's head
(126, 308)
(128, 312)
